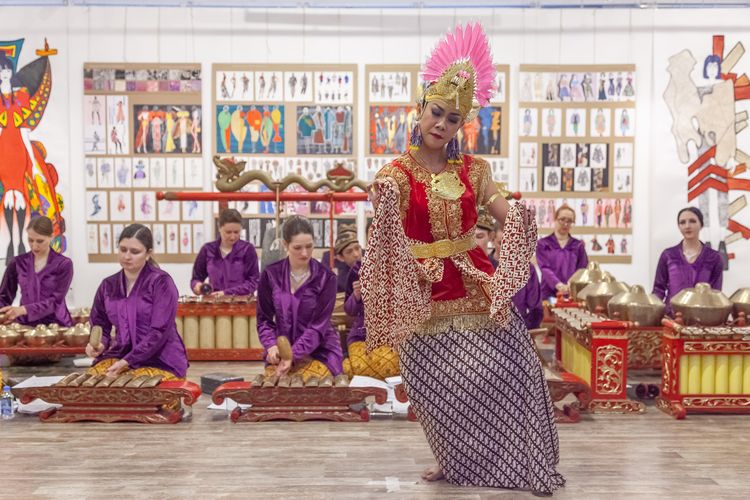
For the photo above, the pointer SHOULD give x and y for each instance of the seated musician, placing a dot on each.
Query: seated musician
(380, 363)
(559, 254)
(296, 297)
(229, 263)
(347, 252)
(44, 277)
(140, 302)
(689, 262)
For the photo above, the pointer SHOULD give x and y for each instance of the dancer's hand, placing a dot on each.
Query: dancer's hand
(357, 290)
(375, 188)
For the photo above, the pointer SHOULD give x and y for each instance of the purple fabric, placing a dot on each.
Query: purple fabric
(145, 321)
(558, 264)
(528, 301)
(304, 317)
(42, 293)
(355, 308)
(674, 273)
(235, 274)
(340, 269)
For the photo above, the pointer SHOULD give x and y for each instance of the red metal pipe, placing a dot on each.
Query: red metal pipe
(264, 196)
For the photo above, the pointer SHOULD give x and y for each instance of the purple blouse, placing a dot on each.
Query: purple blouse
(304, 316)
(235, 274)
(42, 293)
(145, 321)
(355, 308)
(558, 264)
(528, 301)
(674, 273)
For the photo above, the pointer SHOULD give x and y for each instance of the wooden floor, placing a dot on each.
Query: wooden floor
(612, 457)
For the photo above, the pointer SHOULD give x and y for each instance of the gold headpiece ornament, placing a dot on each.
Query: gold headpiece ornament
(460, 70)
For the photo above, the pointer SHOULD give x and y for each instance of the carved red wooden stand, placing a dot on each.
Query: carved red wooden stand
(24, 353)
(607, 341)
(162, 404)
(678, 342)
(298, 403)
(560, 389)
(644, 347)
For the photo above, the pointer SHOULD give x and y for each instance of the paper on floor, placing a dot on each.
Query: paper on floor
(229, 404)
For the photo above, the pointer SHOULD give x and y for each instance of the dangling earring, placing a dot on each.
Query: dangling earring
(452, 151)
(416, 138)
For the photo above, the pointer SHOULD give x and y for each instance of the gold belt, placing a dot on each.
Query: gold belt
(443, 248)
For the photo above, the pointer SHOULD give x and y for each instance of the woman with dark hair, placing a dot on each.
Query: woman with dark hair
(296, 297)
(229, 263)
(689, 262)
(140, 302)
(44, 277)
(467, 361)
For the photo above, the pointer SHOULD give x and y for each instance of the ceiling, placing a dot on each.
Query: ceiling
(396, 4)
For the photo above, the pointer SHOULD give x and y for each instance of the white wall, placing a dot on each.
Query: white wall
(645, 38)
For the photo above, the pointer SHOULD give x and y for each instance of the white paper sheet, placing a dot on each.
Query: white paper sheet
(228, 405)
(38, 405)
(35, 381)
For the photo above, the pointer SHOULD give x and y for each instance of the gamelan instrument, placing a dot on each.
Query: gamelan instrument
(706, 359)
(219, 328)
(645, 312)
(290, 398)
(585, 276)
(119, 398)
(595, 350)
(42, 343)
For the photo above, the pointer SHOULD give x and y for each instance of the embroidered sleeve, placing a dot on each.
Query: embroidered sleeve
(402, 180)
(512, 274)
(394, 289)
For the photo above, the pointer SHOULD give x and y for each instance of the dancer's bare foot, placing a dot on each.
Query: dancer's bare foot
(434, 473)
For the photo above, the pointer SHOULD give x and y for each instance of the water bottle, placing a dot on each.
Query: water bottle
(6, 404)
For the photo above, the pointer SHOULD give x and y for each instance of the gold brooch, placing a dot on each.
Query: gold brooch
(447, 185)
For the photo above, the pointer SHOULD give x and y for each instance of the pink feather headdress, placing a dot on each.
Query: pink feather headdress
(460, 68)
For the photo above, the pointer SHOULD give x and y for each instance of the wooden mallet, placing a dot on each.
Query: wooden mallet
(95, 338)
